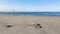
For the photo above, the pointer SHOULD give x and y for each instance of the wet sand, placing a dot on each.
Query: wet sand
(50, 24)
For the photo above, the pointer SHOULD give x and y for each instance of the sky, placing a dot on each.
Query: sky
(30, 5)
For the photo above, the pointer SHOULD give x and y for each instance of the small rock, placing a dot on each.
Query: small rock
(9, 25)
(40, 27)
(38, 24)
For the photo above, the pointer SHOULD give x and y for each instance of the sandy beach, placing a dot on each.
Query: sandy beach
(50, 24)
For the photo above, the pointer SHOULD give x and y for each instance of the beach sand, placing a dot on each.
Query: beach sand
(20, 24)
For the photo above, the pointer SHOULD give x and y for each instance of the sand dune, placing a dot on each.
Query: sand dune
(50, 25)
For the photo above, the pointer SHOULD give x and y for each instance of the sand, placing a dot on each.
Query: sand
(50, 24)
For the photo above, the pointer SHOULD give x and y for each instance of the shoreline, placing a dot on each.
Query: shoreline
(26, 15)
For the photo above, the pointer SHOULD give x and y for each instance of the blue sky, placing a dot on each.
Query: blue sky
(30, 5)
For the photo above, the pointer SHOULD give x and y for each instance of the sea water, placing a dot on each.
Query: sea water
(32, 13)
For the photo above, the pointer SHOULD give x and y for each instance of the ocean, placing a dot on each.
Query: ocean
(32, 13)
